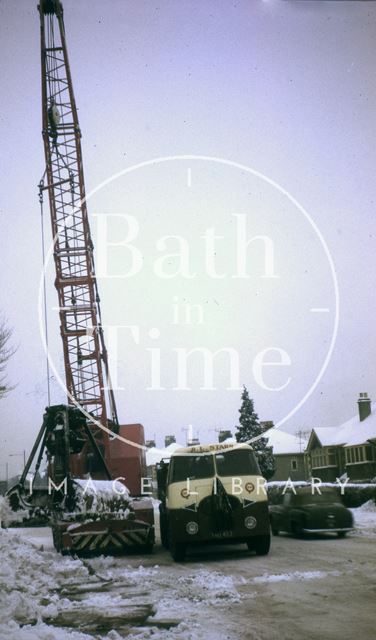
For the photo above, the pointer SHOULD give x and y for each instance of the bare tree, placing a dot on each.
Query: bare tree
(6, 352)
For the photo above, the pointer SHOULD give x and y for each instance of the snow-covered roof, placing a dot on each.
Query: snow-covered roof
(155, 455)
(329, 435)
(359, 432)
(283, 442)
(350, 433)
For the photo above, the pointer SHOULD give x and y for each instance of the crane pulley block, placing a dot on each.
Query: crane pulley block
(51, 7)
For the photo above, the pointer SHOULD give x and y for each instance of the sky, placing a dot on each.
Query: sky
(237, 136)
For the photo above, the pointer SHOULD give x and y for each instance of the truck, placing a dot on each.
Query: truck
(212, 493)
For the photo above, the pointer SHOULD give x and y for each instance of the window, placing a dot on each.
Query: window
(287, 499)
(240, 462)
(324, 457)
(318, 457)
(294, 464)
(358, 454)
(192, 467)
(369, 452)
(305, 496)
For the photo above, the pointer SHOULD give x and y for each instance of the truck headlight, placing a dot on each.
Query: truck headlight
(191, 528)
(250, 522)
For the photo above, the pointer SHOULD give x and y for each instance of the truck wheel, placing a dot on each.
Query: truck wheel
(260, 544)
(56, 537)
(149, 544)
(163, 527)
(178, 552)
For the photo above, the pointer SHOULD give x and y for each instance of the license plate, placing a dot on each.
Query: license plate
(222, 534)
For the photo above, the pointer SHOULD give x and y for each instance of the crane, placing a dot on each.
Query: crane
(76, 437)
(85, 354)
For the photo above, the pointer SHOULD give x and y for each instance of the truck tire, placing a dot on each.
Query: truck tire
(178, 552)
(149, 544)
(163, 527)
(260, 544)
(57, 538)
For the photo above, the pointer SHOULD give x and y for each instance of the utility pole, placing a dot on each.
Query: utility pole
(302, 435)
(23, 454)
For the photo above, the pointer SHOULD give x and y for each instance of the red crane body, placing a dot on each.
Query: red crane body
(85, 356)
(81, 443)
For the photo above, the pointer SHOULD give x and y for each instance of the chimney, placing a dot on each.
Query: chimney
(364, 404)
(224, 434)
(169, 440)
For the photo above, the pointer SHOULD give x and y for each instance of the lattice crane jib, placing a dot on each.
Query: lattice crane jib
(85, 356)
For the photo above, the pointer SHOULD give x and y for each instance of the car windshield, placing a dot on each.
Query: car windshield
(308, 498)
(237, 462)
(192, 467)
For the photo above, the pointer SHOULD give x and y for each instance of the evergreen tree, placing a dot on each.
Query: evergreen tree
(250, 428)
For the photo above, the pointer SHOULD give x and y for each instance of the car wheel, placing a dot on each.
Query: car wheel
(274, 528)
(341, 534)
(296, 529)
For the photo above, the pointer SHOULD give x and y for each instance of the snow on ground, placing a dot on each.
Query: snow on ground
(296, 576)
(28, 582)
(46, 596)
(365, 519)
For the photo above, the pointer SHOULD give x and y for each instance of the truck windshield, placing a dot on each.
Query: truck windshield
(238, 462)
(192, 467)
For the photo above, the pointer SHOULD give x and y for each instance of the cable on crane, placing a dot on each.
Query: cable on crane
(41, 187)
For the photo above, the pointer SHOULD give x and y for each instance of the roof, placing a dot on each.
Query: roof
(283, 442)
(350, 433)
(154, 455)
(329, 435)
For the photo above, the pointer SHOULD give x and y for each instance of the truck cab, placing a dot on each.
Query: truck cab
(213, 493)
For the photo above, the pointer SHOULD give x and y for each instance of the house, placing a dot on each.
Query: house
(288, 451)
(348, 449)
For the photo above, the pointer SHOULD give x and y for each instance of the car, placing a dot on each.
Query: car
(304, 510)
